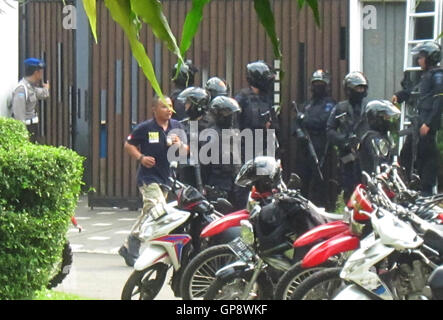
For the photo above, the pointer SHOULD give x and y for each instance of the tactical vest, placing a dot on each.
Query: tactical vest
(255, 116)
(426, 97)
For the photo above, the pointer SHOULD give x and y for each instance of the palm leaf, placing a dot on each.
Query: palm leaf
(121, 12)
(266, 18)
(191, 24)
(150, 11)
(90, 10)
(313, 4)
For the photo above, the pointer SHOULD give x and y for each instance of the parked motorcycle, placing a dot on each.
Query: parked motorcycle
(172, 241)
(264, 249)
(395, 261)
(336, 240)
(200, 272)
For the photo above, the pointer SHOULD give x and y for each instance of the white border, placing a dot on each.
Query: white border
(9, 54)
(355, 35)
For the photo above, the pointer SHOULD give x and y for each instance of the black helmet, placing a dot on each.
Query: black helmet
(185, 77)
(217, 87)
(195, 101)
(262, 172)
(223, 106)
(354, 79)
(381, 115)
(260, 75)
(431, 51)
(320, 75)
(223, 109)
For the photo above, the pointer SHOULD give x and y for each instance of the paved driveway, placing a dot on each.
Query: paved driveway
(98, 271)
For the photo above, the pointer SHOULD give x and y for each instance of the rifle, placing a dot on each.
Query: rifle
(353, 142)
(414, 132)
(198, 178)
(267, 116)
(302, 133)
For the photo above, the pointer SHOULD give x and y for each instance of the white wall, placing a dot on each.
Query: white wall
(9, 52)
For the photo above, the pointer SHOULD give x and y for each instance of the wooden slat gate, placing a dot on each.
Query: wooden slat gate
(42, 35)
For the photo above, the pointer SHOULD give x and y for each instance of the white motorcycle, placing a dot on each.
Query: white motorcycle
(163, 250)
(172, 241)
(398, 261)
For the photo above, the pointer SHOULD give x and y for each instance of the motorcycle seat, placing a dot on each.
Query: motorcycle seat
(434, 238)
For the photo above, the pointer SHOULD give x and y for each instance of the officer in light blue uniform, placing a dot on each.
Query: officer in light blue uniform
(26, 94)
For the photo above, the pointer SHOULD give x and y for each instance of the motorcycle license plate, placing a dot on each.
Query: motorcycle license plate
(241, 249)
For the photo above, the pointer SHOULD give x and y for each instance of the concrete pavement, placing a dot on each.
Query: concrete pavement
(104, 229)
(98, 271)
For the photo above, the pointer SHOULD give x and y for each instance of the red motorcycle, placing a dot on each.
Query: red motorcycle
(334, 239)
(338, 239)
(196, 280)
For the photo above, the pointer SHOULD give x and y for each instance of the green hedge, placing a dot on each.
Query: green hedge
(12, 133)
(39, 189)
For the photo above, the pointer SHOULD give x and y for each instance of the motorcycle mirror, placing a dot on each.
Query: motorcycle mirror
(367, 180)
(222, 205)
(365, 177)
(173, 164)
(415, 182)
(294, 181)
(255, 210)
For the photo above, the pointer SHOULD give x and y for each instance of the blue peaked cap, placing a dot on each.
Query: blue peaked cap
(35, 62)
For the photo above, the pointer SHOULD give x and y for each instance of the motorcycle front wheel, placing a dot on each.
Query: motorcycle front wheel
(232, 288)
(200, 272)
(294, 277)
(145, 284)
(322, 285)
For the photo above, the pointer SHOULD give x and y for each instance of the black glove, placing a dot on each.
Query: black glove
(299, 118)
(352, 143)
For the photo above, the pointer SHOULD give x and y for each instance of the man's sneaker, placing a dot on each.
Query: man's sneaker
(129, 258)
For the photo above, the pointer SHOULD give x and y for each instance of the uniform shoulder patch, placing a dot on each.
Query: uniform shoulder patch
(438, 77)
(329, 106)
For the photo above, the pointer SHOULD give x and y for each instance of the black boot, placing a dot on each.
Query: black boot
(131, 252)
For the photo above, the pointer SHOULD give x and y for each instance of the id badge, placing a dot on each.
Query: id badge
(154, 137)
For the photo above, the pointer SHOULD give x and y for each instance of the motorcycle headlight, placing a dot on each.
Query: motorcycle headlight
(247, 232)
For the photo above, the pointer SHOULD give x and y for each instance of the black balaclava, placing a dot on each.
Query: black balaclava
(319, 91)
(226, 122)
(356, 97)
(193, 112)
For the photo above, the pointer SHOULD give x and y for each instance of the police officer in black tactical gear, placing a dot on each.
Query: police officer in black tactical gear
(216, 87)
(185, 79)
(312, 118)
(256, 101)
(429, 105)
(195, 101)
(377, 145)
(346, 126)
(221, 171)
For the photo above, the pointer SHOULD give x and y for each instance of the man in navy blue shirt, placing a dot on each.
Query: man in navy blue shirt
(148, 144)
